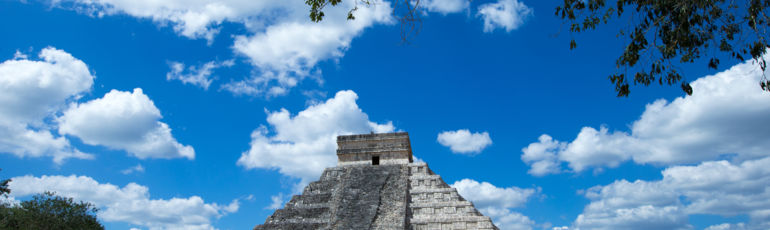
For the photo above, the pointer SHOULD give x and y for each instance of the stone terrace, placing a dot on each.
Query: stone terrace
(375, 186)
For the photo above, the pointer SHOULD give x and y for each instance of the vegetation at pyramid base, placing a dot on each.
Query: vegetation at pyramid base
(47, 211)
(4, 190)
(660, 34)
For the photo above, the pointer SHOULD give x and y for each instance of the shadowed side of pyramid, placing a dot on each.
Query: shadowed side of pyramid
(377, 186)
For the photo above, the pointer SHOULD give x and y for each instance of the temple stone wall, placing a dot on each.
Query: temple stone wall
(391, 148)
(386, 158)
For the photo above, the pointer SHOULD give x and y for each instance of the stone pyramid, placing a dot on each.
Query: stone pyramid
(376, 185)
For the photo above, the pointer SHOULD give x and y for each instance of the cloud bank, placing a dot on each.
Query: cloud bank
(131, 203)
(32, 91)
(497, 203)
(302, 145)
(722, 119)
(280, 42)
(41, 95)
(712, 187)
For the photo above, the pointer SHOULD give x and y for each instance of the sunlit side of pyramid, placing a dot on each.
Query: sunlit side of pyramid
(376, 185)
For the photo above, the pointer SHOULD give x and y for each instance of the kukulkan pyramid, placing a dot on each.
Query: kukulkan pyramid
(376, 185)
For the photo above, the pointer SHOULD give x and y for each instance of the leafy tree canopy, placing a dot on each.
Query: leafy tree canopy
(4, 190)
(662, 33)
(49, 211)
(407, 11)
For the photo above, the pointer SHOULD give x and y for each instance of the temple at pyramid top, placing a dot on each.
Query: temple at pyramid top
(374, 149)
(375, 185)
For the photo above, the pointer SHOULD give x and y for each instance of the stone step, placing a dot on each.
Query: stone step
(432, 190)
(332, 174)
(292, 226)
(300, 221)
(299, 213)
(460, 211)
(319, 198)
(424, 176)
(433, 197)
(424, 182)
(319, 205)
(442, 204)
(319, 187)
(453, 226)
(430, 186)
(416, 164)
(421, 219)
(419, 169)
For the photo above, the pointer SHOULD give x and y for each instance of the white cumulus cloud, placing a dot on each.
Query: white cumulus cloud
(136, 169)
(497, 202)
(277, 201)
(286, 52)
(712, 187)
(124, 120)
(39, 96)
(505, 14)
(727, 226)
(302, 145)
(637, 205)
(32, 91)
(540, 157)
(445, 6)
(192, 19)
(464, 142)
(280, 40)
(719, 120)
(131, 203)
(199, 76)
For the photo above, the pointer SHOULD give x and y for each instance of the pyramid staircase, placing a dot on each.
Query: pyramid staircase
(398, 194)
(435, 205)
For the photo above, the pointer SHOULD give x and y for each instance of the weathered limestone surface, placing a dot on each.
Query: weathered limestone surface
(435, 205)
(372, 197)
(390, 148)
(312, 209)
(395, 195)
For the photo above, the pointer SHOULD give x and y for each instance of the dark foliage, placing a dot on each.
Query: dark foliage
(49, 211)
(407, 12)
(662, 32)
(4, 190)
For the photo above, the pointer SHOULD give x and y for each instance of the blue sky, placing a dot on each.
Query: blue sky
(208, 114)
